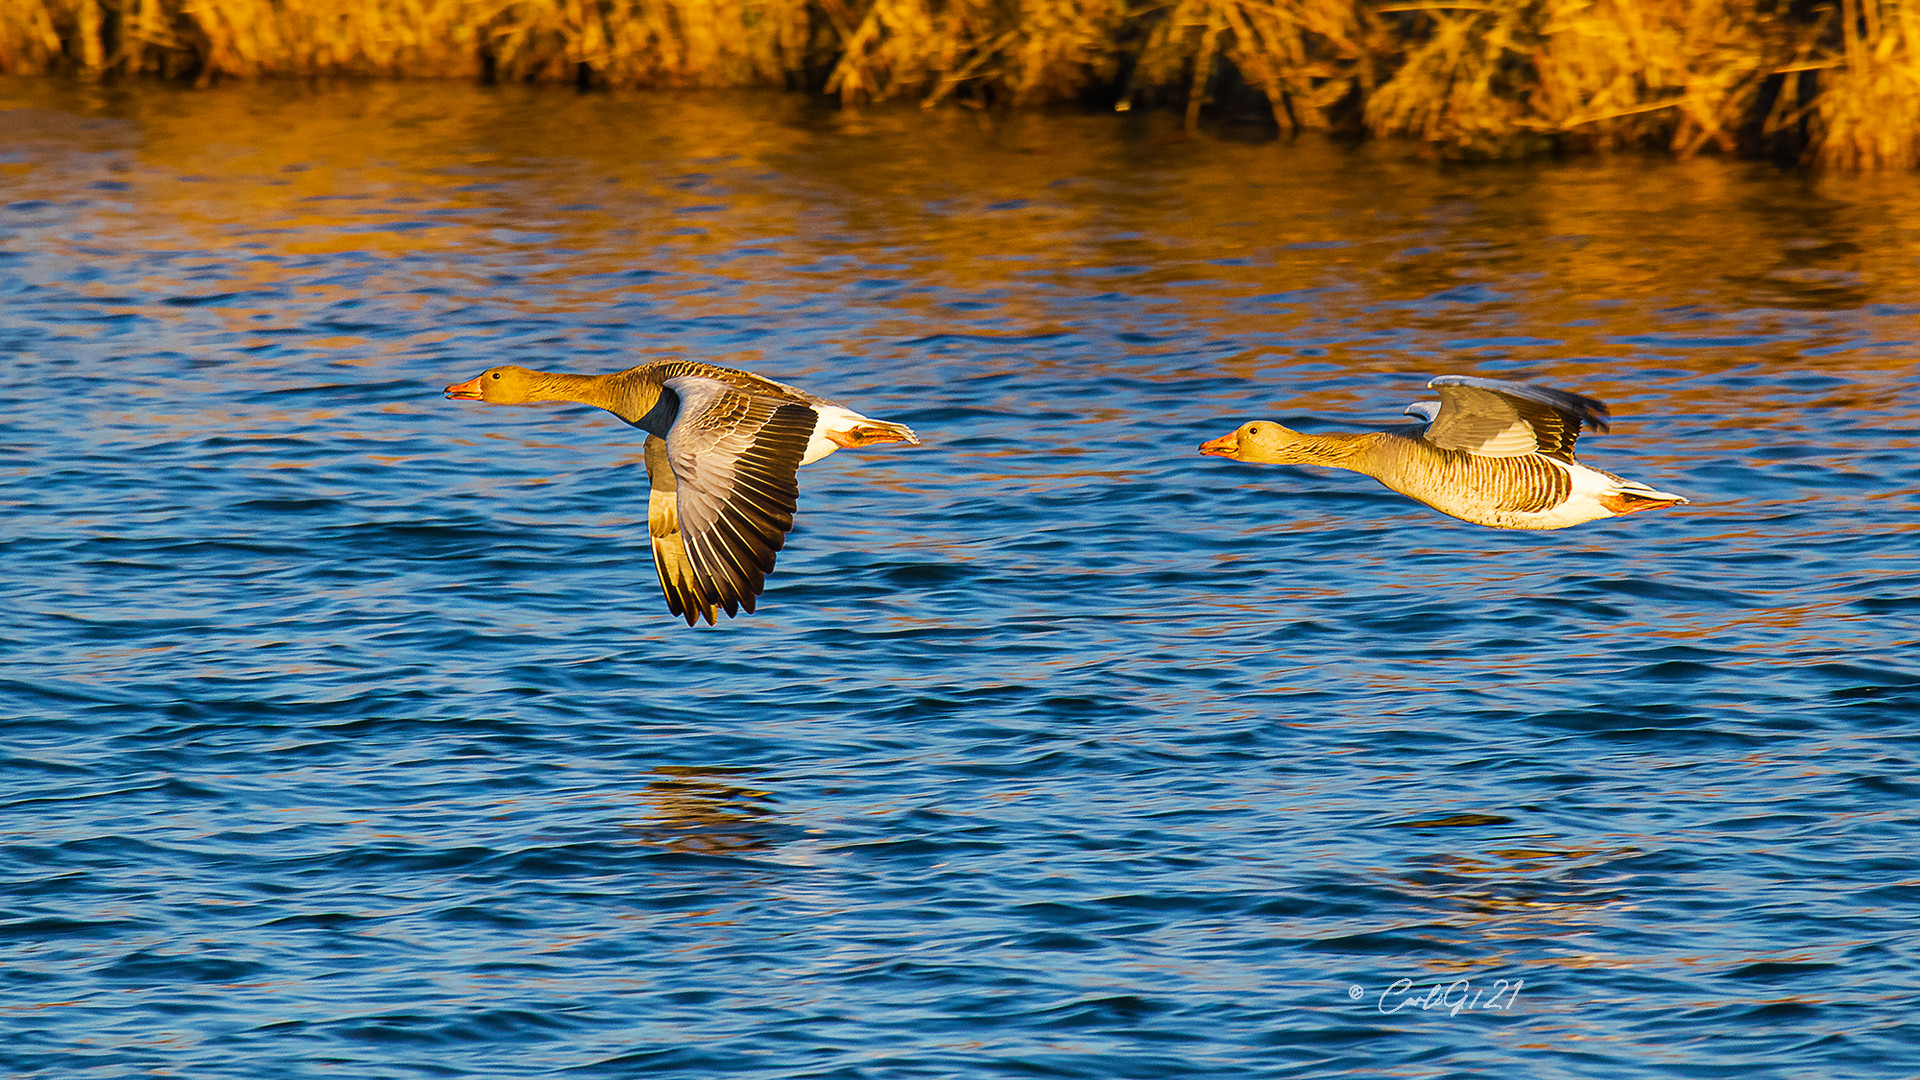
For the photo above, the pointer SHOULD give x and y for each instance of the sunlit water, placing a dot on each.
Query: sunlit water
(346, 733)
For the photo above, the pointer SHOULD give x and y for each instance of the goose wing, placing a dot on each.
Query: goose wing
(683, 591)
(1496, 418)
(733, 455)
(1426, 411)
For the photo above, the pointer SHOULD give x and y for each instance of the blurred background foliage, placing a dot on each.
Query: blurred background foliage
(1829, 83)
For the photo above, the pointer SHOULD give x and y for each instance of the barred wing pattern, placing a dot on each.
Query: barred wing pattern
(733, 457)
(1496, 418)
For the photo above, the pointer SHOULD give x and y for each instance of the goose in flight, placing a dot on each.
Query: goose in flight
(722, 450)
(1490, 452)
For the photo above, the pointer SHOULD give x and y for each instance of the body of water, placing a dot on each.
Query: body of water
(344, 732)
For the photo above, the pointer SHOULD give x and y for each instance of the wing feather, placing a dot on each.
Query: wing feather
(735, 455)
(670, 563)
(1497, 418)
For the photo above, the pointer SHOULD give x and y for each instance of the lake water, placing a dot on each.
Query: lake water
(346, 733)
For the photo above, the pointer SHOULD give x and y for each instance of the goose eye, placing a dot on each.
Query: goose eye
(496, 374)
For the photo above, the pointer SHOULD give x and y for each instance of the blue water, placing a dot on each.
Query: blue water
(346, 733)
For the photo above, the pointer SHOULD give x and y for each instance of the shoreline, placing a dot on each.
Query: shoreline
(1830, 87)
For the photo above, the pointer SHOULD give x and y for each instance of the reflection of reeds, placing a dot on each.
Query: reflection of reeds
(1477, 78)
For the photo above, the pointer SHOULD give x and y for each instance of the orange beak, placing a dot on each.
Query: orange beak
(1225, 446)
(469, 390)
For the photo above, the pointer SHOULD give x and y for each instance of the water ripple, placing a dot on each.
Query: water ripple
(347, 734)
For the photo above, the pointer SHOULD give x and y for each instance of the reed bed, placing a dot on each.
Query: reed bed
(1836, 83)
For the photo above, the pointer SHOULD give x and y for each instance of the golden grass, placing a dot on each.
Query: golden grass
(1470, 78)
(1870, 118)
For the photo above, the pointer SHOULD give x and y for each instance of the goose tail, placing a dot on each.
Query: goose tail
(838, 428)
(865, 431)
(1632, 496)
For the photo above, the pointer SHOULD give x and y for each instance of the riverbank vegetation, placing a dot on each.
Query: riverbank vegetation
(1835, 83)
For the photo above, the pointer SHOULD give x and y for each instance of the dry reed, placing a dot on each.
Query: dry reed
(1470, 78)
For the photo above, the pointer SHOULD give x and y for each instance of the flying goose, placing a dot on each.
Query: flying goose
(722, 450)
(1489, 451)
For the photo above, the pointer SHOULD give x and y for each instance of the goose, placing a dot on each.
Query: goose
(722, 450)
(1490, 452)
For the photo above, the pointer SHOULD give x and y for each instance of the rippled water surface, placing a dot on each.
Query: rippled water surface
(346, 733)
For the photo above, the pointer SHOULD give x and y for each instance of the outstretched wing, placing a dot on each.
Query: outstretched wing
(1496, 418)
(734, 456)
(684, 595)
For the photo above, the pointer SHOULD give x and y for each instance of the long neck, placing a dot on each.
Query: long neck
(560, 386)
(626, 394)
(1337, 450)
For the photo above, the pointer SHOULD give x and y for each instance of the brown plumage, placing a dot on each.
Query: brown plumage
(723, 448)
(1491, 452)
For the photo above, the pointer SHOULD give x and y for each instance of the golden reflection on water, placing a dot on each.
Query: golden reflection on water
(1347, 248)
(1624, 277)
(706, 810)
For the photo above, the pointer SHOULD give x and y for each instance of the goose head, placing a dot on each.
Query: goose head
(508, 384)
(1260, 441)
